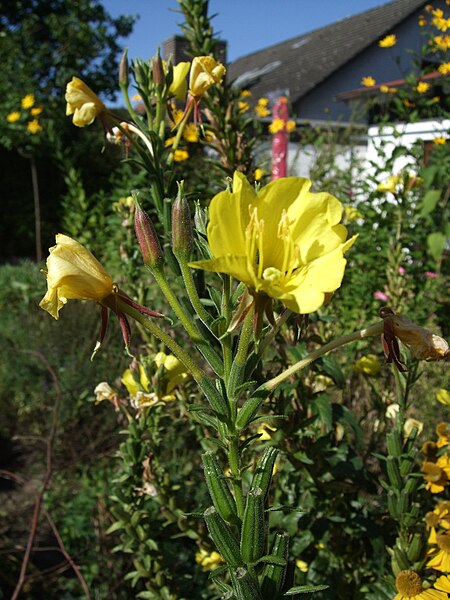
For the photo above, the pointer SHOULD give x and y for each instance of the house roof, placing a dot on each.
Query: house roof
(297, 65)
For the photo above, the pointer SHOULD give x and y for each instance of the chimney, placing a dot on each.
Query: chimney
(177, 46)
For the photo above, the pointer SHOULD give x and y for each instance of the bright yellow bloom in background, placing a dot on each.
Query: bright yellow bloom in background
(276, 126)
(422, 87)
(444, 68)
(82, 103)
(390, 185)
(368, 365)
(441, 560)
(259, 174)
(180, 155)
(208, 560)
(73, 273)
(33, 127)
(13, 117)
(352, 214)
(388, 41)
(36, 111)
(443, 396)
(439, 141)
(27, 101)
(368, 81)
(261, 111)
(282, 241)
(243, 106)
(442, 42)
(443, 583)
(190, 133)
(422, 21)
(409, 587)
(205, 72)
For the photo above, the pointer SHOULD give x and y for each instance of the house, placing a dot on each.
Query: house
(315, 70)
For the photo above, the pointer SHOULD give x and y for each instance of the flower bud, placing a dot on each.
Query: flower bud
(148, 240)
(123, 70)
(200, 218)
(182, 236)
(158, 70)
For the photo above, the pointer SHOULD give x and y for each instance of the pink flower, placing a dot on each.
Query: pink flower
(380, 296)
(401, 270)
(431, 275)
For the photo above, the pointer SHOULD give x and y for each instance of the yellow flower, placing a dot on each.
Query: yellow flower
(208, 560)
(276, 126)
(245, 94)
(384, 89)
(443, 396)
(388, 41)
(261, 111)
(263, 101)
(302, 565)
(174, 372)
(180, 155)
(390, 185)
(73, 273)
(243, 106)
(443, 583)
(411, 424)
(422, 87)
(436, 474)
(190, 133)
(444, 68)
(134, 384)
(290, 126)
(27, 101)
(13, 117)
(441, 560)
(282, 241)
(442, 42)
(368, 81)
(259, 174)
(439, 140)
(33, 127)
(205, 72)
(409, 587)
(103, 391)
(352, 214)
(36, 111)
(178, 87)
(82, 103)
(368, 365)
(422, 21)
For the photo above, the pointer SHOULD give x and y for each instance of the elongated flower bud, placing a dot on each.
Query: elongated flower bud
(158, 70)
(123, 70)
(182, 236)
(148, 240)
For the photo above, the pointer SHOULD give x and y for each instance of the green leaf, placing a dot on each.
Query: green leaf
(436, 243)
(429, 202)
(305, 589)
(323, 406)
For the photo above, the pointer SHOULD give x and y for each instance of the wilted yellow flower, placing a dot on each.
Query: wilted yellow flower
(423, 344)
(82, 103)
(208, 560)
(444, 68)
(439, 140)
(352, 214)
(443, 396)
(178, 87)
(103, 391)
(205, 72)
(369, 365)
(368, 81)
(36, 111)
(409, 587)
(34, 127)
(73, 273)
(411, 424)
(422, 87)
(282, 241)
(13, 117)
(180, 155)
(388, 41)
(27, 101)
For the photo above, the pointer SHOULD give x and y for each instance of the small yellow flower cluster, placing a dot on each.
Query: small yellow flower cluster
(208, 560)
(261, 109)
(385, 89)
(388, 41)
(439, 141)
(368, 81)
(27, 103)
(439, 21)
(422, 87)
(444, 68)
(441, 42)
(278, 125)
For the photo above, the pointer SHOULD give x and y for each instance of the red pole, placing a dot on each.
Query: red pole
(280, 139)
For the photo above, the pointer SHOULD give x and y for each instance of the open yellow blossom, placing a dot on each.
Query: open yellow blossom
(174, 372)
(180, 155)
(442, 42)
(290, 126)
(34, 127)
(443, 583)
(421, 21)
(443, 396)
(436, 474)
(82, 103)
(409, 587)
(444, 68)
(422, 87)
(190, 133)
(368, 81)
(13, 117)
(135, 382)
(276, 126)
(73, 273)
(439, 141)
(441, 560)
(388, 41)
(243, 106)
(245, 94)
(27, 101)
(205, 72)
(36, 111)
(261, 111)
(282, 241)
(208, 560)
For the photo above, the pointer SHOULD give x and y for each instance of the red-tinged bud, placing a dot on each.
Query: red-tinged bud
(123, 70)
(182, 235)
(147, 238)
(159, 77)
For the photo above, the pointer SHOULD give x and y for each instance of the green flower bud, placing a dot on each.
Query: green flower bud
(123, 70)
(158, 70)
(182, 235)
(148, 240)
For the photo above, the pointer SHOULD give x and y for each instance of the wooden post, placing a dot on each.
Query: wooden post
(280, 139)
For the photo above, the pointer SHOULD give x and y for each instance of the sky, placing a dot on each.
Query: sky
(247, 25)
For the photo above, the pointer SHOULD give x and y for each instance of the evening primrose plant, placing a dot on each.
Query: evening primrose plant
(233, 279)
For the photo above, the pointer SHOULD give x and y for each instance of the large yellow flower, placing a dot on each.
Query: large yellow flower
(409, 587)
(282, 241)
(205, 72)
(441, 560)
(82, 103)
(73, 273)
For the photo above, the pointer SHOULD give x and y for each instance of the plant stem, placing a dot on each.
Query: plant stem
(191, 289)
